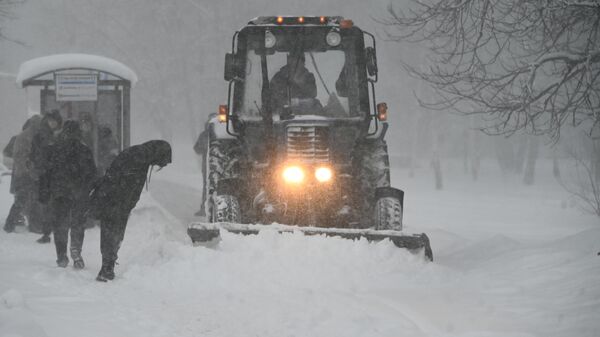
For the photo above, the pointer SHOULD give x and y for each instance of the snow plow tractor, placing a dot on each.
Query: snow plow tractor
(301, 141)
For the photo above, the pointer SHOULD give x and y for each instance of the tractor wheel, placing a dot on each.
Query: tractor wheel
(223, 162)
(388, 214)
(373, 172)
(225, 208)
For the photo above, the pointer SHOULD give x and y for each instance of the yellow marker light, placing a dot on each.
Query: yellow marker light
(301, 19)
(382, 112)
(293, 175)
(223, 112)
(323, 19)
(345, 24)
(280, 19)
(323, 174)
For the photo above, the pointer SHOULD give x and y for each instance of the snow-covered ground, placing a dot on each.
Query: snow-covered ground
(510, 260)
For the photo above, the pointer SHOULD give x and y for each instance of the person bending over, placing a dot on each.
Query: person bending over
(117, 193)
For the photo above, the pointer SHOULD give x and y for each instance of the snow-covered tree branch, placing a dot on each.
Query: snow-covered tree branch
(532, 65)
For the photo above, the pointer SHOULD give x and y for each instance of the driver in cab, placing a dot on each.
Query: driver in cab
(294, 86)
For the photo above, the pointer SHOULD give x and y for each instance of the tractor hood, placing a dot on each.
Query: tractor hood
(306, 138)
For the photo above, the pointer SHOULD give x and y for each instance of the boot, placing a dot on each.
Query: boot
(44, 239)
(107, 272)
(77, 259)
(62, 261)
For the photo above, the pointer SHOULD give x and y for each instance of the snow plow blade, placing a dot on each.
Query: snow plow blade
(206, 232)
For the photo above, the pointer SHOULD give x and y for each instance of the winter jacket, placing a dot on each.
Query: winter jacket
(23, 176)
(8, 149)
(117, 193)
(108, 148)
(39, 146)
(301, 85)
(201, 145)
(69, 169)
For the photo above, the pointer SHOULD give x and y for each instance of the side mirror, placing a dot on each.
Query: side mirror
(371, 60)
(230, 67)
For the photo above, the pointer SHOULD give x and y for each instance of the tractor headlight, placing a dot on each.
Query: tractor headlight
(293, 175)
(270, 40)
(323, 174)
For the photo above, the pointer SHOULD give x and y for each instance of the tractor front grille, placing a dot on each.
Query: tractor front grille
(309, 144)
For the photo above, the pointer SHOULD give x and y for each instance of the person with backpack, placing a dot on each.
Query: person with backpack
(23, 180)
(65, 185)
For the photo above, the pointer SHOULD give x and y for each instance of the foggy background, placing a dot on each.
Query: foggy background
(177, 49)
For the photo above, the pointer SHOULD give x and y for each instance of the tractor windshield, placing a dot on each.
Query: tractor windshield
(299, 71)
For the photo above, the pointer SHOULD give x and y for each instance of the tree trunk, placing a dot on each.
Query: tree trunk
(596, 160)
(466, 137)
(519, 162)
(532, 154)
(475, 161)
(555, 166)
(414, 140)
(436, 163)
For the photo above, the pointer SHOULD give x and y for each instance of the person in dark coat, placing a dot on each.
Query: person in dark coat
(46, 136)
(23, 180)
(201, 149)
(70, 172)
(117, 193)
(86, 125)
(292, 81)
(108, 148)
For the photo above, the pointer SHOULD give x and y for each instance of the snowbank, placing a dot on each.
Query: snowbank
(491, 276)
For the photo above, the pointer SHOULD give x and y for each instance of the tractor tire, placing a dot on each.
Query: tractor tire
(388, 214)
(225, 208)
(373, 172)
(223, 163)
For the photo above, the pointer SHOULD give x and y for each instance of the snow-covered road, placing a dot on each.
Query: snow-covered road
(509, 261)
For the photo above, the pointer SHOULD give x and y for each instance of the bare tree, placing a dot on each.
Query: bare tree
(525, 64)
(585, 182)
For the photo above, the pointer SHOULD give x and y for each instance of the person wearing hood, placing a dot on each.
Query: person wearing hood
(23, 180)
(67, 181)
(108, 148)
(292, 81)
(117, 193)
(201, 149)
(42, 141)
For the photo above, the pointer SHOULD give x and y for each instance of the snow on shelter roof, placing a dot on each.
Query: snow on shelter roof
(47, 64)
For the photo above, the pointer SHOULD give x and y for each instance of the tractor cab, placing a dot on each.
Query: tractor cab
(285, 68)
(93, 90)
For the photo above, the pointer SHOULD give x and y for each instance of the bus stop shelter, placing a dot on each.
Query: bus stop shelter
(88, 88)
